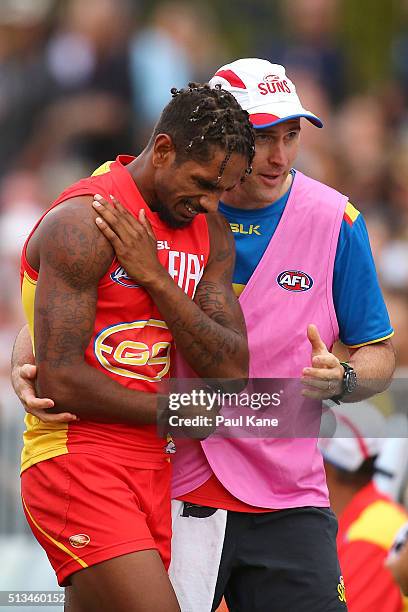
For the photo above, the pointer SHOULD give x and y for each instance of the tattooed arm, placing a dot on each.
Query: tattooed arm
(213, 339)
(210, 332)
(71, 256)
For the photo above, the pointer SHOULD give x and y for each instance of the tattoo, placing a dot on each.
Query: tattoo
(72, 251)
(73, 259)
(64, 327)
(211, 300)
(208, 344)
(205, 343)
(214, 348)
(223, 254)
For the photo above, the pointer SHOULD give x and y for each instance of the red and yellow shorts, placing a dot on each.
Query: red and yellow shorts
(84, 509)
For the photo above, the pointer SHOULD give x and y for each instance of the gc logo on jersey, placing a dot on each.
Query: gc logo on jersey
(121, 277)
(120, 350)
(295, 280)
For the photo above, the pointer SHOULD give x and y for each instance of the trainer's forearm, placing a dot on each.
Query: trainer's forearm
(211, 348)
(374, 365)
(23, 349)
(92, 395)
(22, 353)
(84, 390)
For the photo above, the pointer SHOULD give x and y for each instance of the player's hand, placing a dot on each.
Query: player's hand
(133, 239)
(23, 381)
(324, 379)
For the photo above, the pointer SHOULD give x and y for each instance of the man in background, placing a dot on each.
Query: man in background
(305, 277)
(368, 520)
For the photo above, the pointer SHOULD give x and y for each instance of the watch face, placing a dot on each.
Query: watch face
(350, 381)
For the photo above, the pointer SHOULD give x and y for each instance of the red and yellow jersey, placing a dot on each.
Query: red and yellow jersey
(131, 342)
(367, 529)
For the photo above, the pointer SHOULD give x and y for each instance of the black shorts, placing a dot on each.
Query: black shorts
(283, 561)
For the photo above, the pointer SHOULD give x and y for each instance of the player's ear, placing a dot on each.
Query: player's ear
(163, 150)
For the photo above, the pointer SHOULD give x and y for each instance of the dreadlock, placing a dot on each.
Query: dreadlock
(199, 118)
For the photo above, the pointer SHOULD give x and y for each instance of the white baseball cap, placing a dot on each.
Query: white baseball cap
(350, 446)
(263, 90)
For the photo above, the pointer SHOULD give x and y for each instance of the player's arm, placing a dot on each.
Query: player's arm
(209, 331)
(73, 255)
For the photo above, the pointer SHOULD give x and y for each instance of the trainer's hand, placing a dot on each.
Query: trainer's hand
(324, 379)
(133, 239)
(23, 381)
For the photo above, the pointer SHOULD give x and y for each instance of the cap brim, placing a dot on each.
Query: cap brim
(346, 466)
(264, 120)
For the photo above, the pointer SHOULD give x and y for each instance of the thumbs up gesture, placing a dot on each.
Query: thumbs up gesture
(323, 379)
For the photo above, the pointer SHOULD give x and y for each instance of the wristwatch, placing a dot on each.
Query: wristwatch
(349, 382)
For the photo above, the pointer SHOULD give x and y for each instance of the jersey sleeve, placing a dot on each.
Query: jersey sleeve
(359, 304)
(369, 584)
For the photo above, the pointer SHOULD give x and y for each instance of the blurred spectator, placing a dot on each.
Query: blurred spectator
(23, 81)
(308, 41)
(379, 230)
(179, 44)
(397, 188)
(399, 48)
(21, 202)
(393, 264)
(316, 153)
(397, 303)
(10, 430)
(87, 65)
(362, 140)
(368, 520)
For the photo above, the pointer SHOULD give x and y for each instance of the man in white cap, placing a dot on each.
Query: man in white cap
(252, 520)
(368, 519)
(302, 258)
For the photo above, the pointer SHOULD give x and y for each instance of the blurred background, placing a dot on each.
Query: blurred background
(81, 81)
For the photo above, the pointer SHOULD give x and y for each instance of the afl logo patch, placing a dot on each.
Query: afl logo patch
(295, 280)
(121, 277)
(80, 540)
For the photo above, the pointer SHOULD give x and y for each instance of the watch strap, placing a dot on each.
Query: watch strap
(347, 369)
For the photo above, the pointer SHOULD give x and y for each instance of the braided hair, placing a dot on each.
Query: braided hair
(199, 118)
